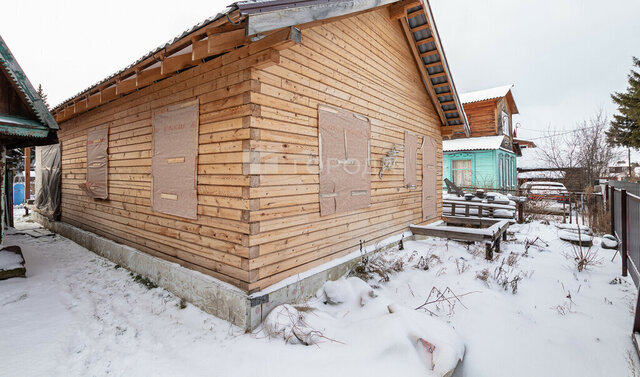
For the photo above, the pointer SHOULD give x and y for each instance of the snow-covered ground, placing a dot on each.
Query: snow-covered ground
(77, 314)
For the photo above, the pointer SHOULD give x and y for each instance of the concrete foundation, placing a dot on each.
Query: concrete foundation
(209, 294)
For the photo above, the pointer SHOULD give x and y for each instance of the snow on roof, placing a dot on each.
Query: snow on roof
(544, 174)
(472, 143)
(485, 94)
(532, 158)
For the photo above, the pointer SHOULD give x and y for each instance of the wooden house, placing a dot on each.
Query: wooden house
(251, 148)
(487, 159)
(24, 118)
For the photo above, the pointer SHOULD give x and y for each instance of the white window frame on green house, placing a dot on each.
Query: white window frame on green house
(455, 170)
(505, 123)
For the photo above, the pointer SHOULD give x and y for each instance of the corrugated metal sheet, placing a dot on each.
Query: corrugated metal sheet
(15, 73)
(485, 94)
(151, 53)
(473, 143)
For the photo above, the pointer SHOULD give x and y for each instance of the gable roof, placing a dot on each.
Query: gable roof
(242, 24)
(12, 70)
(473, 144)
(485, 94)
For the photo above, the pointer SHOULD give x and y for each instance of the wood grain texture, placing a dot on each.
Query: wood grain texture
(362, 64)
(258, 216)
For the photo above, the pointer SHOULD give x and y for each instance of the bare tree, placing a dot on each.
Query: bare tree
(585, 148)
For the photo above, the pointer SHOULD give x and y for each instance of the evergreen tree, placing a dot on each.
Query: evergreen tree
(43, 96)
(625, 127)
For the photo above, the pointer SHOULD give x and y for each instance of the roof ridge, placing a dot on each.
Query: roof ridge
(24, 86)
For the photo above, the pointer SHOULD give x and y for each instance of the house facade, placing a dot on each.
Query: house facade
(487, 159)
(265, 143)
(24, 118)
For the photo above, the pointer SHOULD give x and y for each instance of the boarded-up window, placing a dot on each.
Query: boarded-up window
(173, 165)
(429, 179)
(410, 159)
(97, 163)
(345, 173)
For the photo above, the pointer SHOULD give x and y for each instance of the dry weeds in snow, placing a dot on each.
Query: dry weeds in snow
(631, 362)
(583, 257)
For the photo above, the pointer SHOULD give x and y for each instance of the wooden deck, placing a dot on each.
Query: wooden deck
(490, 236)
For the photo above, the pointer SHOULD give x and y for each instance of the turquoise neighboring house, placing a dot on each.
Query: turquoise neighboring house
(488, 158)
(480, 162)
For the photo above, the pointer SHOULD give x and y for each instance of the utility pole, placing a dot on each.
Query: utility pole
(629, 159)
(27, 174)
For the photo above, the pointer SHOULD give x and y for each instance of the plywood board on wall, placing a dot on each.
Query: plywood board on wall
(429, 179)
(345, 171)
(410, 159)
(97, 163)
(173, 165)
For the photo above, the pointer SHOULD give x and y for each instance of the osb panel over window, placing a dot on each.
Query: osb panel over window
(97, 163)
(345, 173)
(410, 159)
(173, 165)
(429, 179)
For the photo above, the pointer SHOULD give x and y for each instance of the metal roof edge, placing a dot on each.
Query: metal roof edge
(445, 64)
(24, 87)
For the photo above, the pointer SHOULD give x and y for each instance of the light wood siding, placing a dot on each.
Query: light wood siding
(258, 207)
(482, 117)
(362, 64)
(217, 242)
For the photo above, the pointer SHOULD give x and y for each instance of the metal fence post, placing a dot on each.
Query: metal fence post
(612, 208)
(606, 197)
(623, 230)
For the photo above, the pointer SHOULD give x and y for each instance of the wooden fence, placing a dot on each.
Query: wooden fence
(624, 204)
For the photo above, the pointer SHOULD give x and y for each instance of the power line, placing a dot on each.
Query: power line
(559, 134)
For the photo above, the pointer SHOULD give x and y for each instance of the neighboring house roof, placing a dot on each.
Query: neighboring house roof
(485, 94)
(541, 174)
(473, 144)
(532, 158)
(12, 70)
(256, 17)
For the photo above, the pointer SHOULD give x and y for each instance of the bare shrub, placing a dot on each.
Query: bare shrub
(422, 264)
(583, 256)
(477, 250)
(376, 266)
(442, 301)
(598, 217)
(461, 266)
(631, 363)
(483, 275)
(565, 308)
(507, 278)
(512, 259)
(289, 323)
(528, 243)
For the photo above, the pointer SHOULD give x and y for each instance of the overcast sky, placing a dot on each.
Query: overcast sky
(564, 56)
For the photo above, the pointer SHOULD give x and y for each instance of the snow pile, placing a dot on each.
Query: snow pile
(10, 260)
(94, 319)
(575, 228)
(609, 242)
(348, 311)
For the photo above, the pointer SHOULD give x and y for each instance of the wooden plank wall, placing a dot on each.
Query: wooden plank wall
(482, 117)
(10, 102)
(362, 64)
(217, 242)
